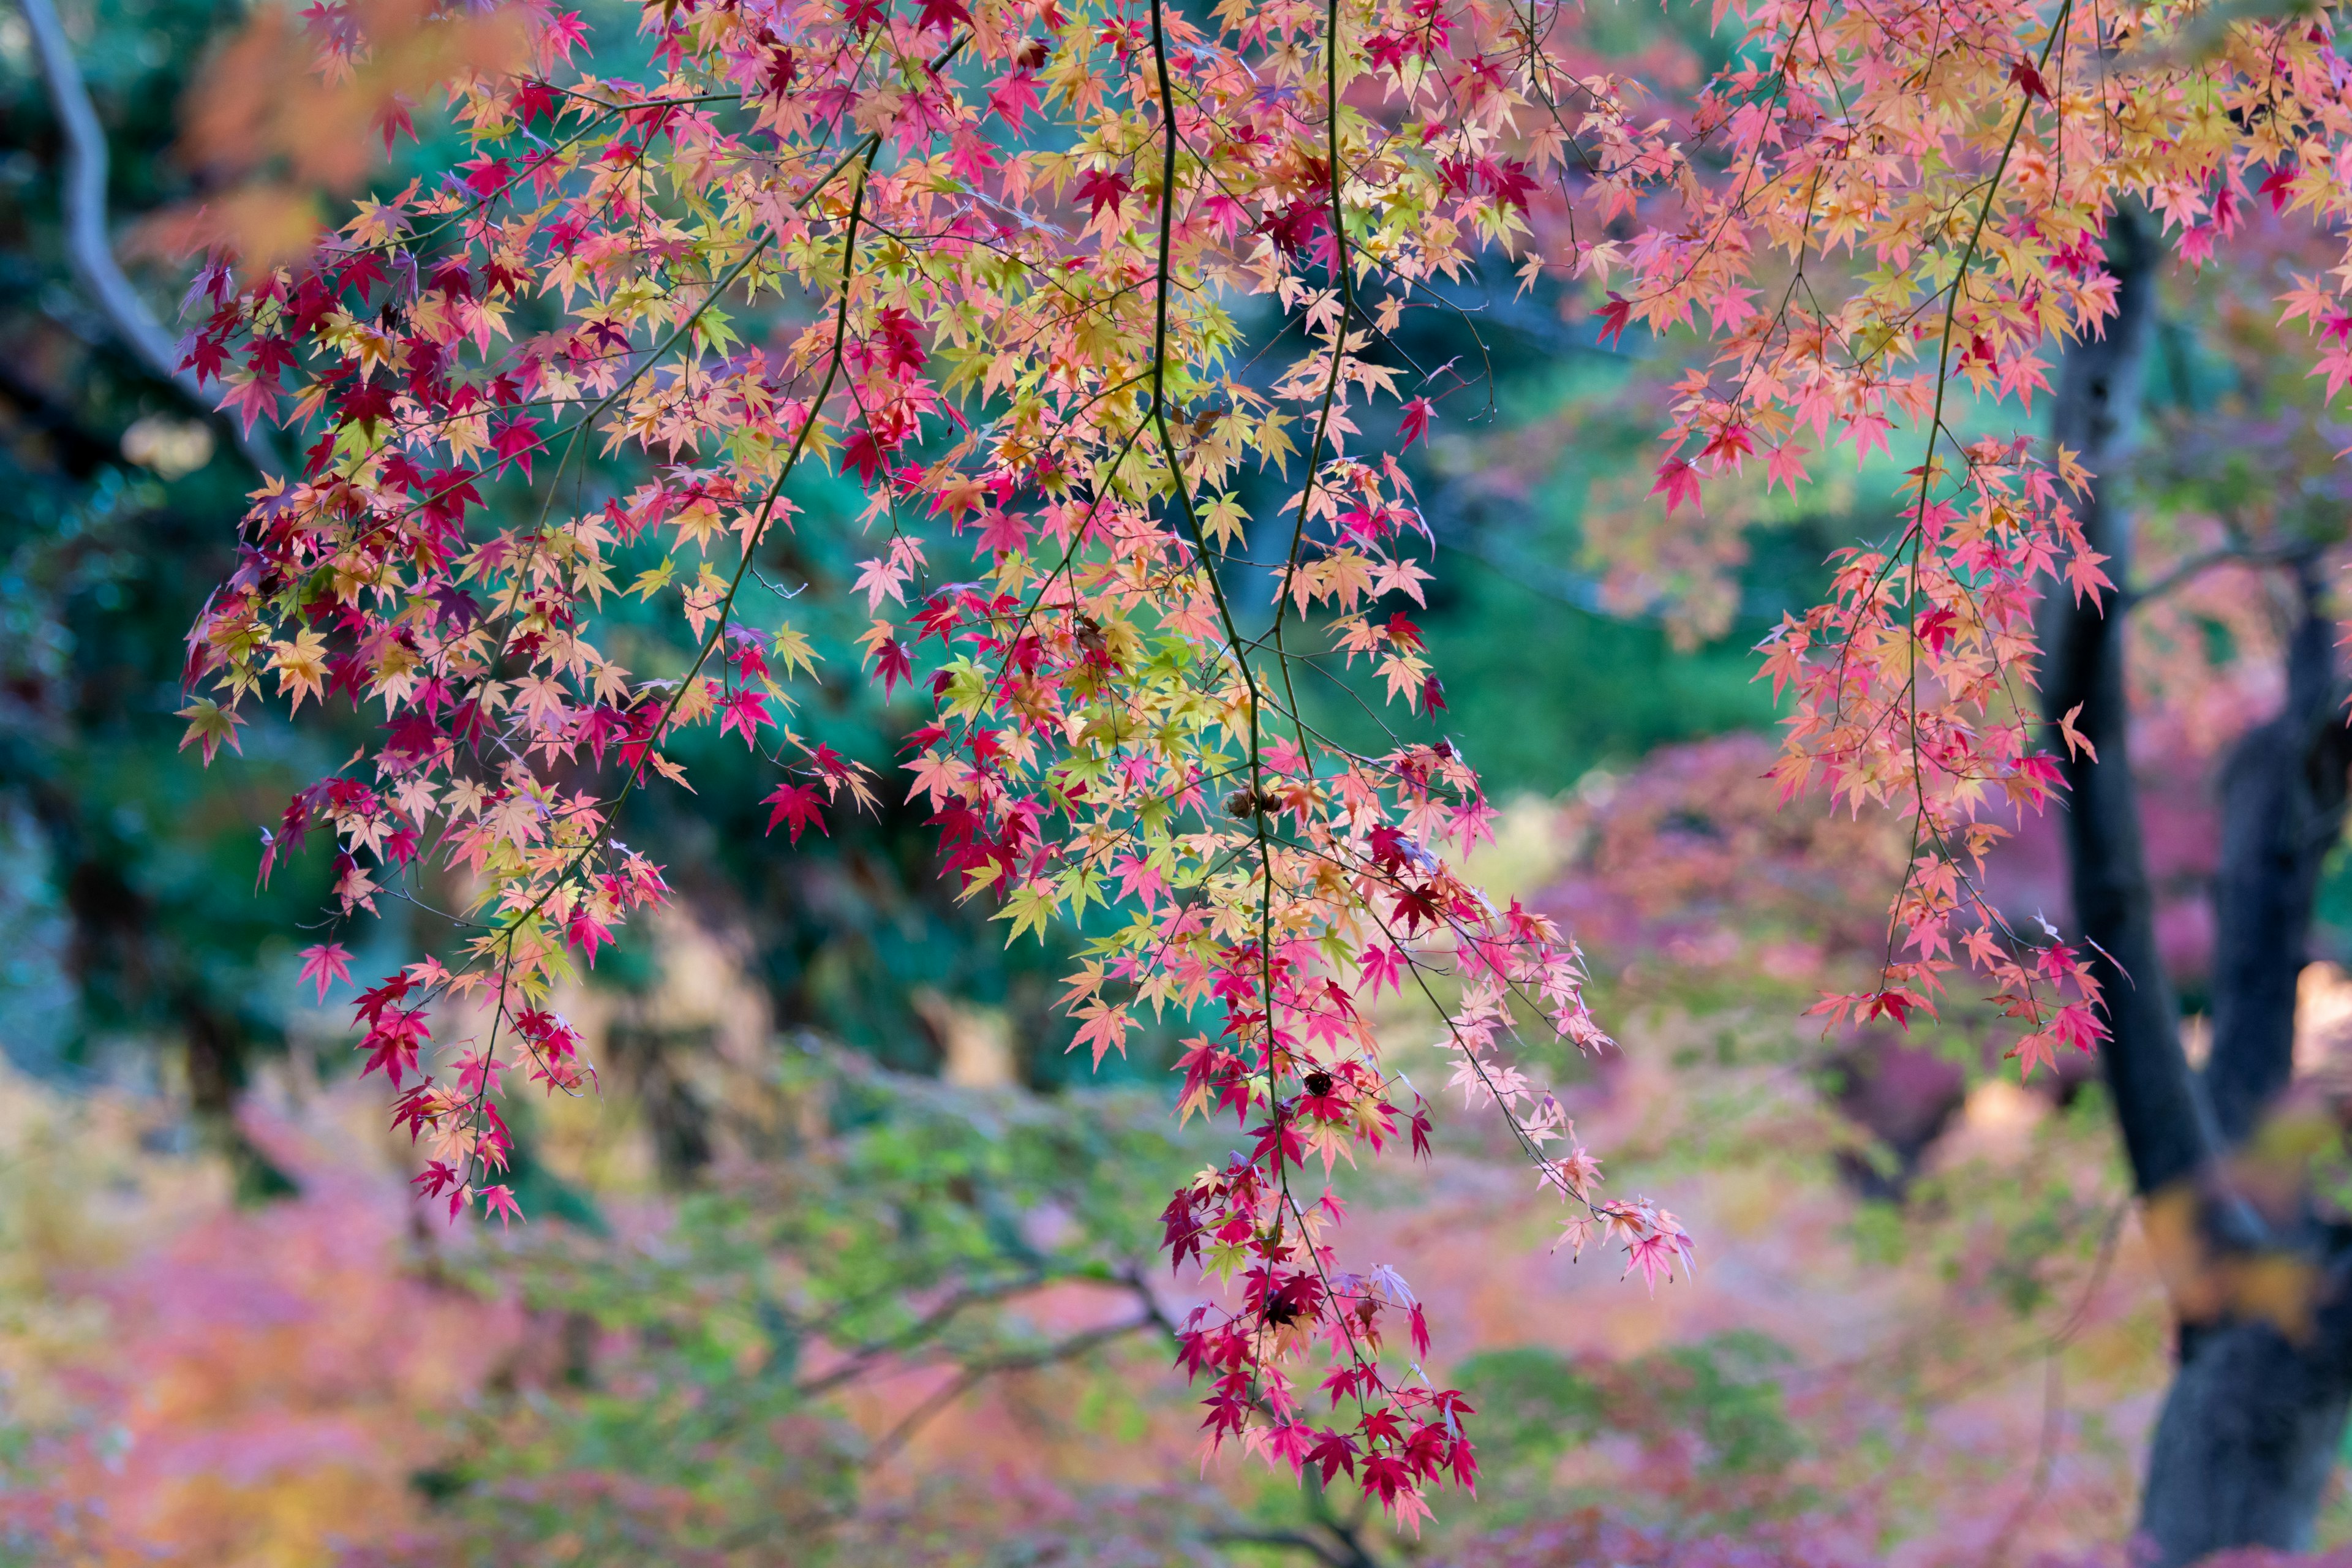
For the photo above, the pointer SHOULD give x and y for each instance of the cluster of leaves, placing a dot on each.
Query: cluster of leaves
(1972, 164)
(1100, 717)
(1019, 340)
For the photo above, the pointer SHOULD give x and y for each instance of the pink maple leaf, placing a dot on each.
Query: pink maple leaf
(326, 964)
(501, 1201)
(1678, 482)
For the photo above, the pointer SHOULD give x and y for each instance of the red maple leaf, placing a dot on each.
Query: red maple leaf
(1102, 188)
(1614, 314)
(515, 441)
(745, 711)
(890, 660)
(797, 806)
(2278, 183)
(586, 932)
(1013, 97)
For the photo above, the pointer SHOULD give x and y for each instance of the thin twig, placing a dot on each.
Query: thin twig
(976, 1373)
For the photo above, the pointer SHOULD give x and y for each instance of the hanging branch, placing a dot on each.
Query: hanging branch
(94, 267)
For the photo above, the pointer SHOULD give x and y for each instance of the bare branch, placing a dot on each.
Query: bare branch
(1349, 1556)
(2196, 566)
(87, 247)
(976, 1373)
(864, 1358)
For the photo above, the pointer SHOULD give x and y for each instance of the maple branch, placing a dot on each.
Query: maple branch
(1164, 273)
(604, 835)
(83, 196)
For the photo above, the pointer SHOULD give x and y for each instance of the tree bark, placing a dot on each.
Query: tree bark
(2256, 1412)
(217, 1061)
(2115, 908)
(2282, 795)
(2248, 1438)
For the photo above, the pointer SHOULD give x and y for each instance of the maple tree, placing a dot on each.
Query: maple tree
(1014, 254)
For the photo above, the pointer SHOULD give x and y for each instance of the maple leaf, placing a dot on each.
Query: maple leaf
(2036, 1049)
(1678, 482)
(1012, 97)
(1382, 966)
(587, 932)
(892, 664)
(1332, 1452)
(792, 650)
(2279, 183)
(301, 665)
(244, 396)
(326, 964)
(1614, 315)
(796, 805)
(206, 356)
(2076, 745)
(1101, 190)
(1784, 464)
(209, 725)
(1414, 426)
(745, 711)
(515, 441)
(2083, 575)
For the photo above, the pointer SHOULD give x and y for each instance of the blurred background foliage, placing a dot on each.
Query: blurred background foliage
(851, 1260)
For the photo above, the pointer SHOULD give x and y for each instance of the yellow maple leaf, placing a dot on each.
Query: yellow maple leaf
(302, 666)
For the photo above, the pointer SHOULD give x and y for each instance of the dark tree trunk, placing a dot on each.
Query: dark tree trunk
(2282, 810)
(217, 1059)
(2098, 396)
(676, 1116)
(2247, 1440)
(2255, 1418)
(2255, 1415)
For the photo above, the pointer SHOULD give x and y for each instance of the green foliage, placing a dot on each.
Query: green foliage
(1711, 1412)
(891, 1223)
(1536, 1406)
(1539, 691)
(1722, 1388)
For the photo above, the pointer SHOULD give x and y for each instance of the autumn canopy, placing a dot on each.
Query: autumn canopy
(1049, 280)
